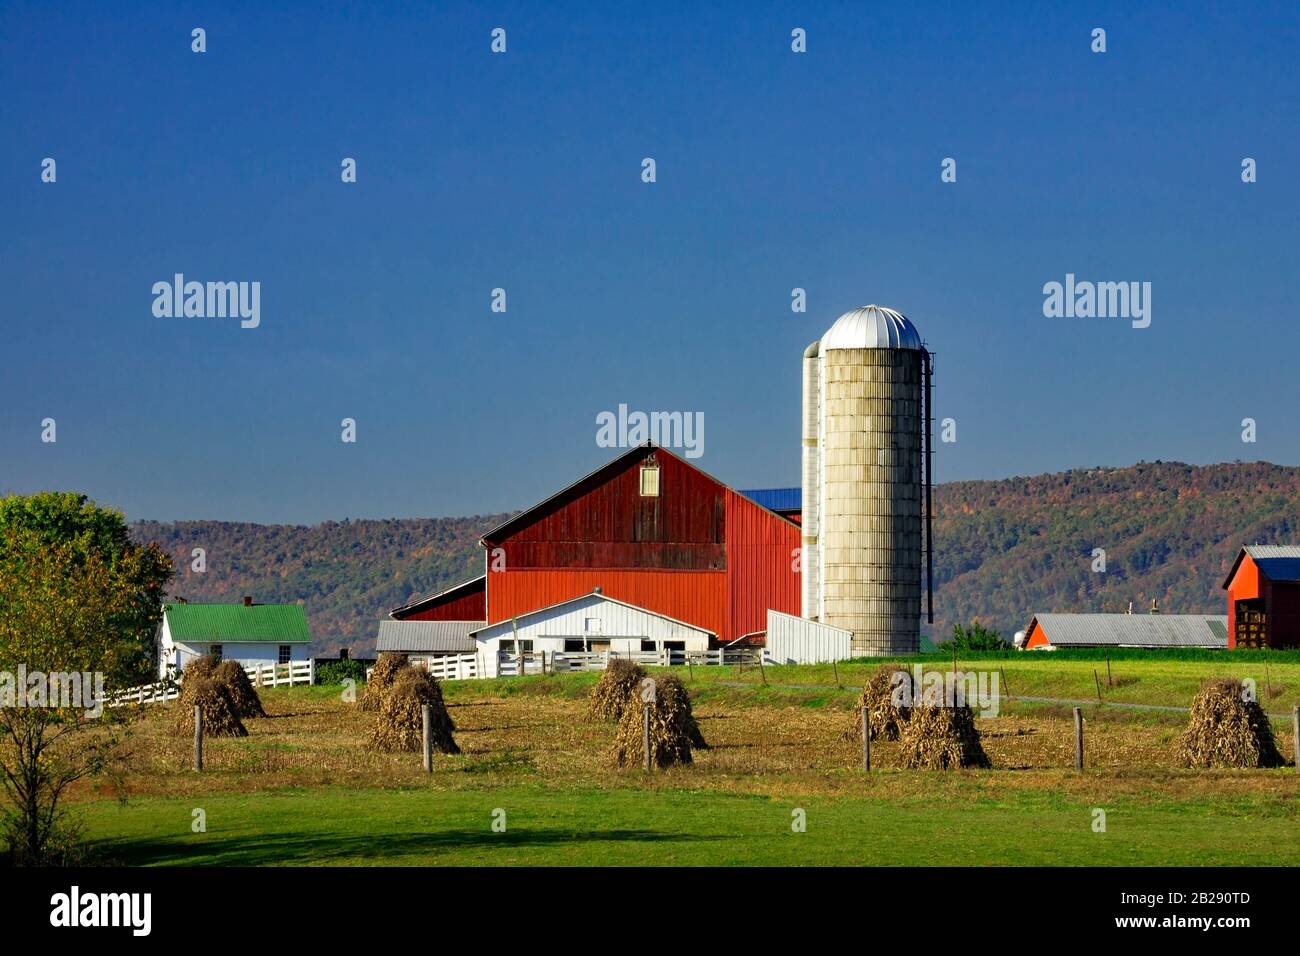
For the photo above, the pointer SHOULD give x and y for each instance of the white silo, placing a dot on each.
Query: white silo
(866, 479)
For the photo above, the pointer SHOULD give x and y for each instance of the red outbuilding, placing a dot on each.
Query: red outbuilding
(1264, 597)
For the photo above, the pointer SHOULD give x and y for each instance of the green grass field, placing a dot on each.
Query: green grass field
(306, 789)
(682, 827)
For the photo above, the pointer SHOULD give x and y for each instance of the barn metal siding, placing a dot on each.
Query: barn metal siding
(761, 554)
(605, 522)
(696, 597)
(469, 604)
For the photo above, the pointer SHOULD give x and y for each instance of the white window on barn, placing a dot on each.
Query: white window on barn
(508, 645)
(649, 481)
(286, 652)
(648, 646)
(592, 625)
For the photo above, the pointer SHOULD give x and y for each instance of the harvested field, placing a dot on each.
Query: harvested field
(773, 743)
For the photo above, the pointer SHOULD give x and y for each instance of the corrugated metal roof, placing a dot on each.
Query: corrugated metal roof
(1134, 630)
(411, 637)
(776, 499)
(871, 327)
(1277, 562)
(236, 623)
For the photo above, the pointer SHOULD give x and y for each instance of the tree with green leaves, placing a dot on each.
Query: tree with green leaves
(79, 606)
(975, 638)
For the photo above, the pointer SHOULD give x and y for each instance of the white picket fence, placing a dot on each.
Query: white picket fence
(470, 666)
(545, 662)
(282, 675)
(264, 675)
(156, 693)
(450, 667)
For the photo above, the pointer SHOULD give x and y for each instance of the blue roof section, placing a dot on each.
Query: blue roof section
(776, 499)
(1279, 569)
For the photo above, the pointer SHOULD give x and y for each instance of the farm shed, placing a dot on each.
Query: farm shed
(253, 634)
(427, 640)
(592, 622)
(1047, 632)
(796, 640)
(1264, 597)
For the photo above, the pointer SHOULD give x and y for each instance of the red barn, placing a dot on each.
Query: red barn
(648, 528)
(1264, 597)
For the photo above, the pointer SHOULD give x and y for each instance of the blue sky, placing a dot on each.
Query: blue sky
(775, 170)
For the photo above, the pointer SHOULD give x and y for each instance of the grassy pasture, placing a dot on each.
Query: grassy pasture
(305, 788)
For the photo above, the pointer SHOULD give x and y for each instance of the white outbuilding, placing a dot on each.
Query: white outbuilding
(256, 635)
(590, 623)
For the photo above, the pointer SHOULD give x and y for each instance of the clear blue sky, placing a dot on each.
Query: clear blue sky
(522, 170)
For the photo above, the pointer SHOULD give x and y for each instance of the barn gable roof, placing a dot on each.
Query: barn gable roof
(600, 597)
(594, 478)
(1277, 562)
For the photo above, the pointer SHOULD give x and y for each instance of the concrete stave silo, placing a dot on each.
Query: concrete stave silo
(867, 486)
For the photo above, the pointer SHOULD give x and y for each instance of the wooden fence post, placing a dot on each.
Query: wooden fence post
(1295, 736)
(866, 740)
(428, 738)
(1078, 738)
(761, 671)
(645, 733)
(198, 736)
(835, 668)
(1098, 682)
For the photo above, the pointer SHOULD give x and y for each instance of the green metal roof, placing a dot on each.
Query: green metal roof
(236, 624)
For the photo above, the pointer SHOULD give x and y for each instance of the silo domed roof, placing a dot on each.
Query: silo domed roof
(872, 327)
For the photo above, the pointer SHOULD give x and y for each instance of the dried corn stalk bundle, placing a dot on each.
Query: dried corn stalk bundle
(941, 738)
(885, 715)
(1227, 730)
(672, 727)
(242, 691)
(399, 725)
(220, 715)
(381, 675)
(616, 685)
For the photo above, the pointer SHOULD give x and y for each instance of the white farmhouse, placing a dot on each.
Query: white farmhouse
(253, 634)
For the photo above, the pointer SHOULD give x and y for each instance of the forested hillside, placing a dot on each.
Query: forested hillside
(347, 574)
(1003, 549)
(1006, 549)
